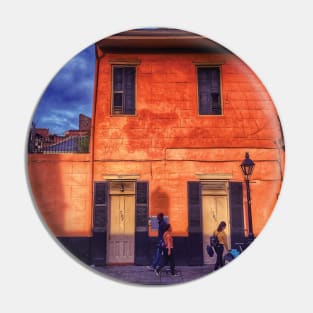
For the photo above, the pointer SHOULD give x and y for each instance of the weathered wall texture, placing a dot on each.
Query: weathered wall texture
(62, 190)
(167, 143)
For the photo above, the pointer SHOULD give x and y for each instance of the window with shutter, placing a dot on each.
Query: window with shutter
(123, 90)
(209, 93)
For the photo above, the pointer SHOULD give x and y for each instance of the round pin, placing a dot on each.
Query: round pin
(155, 156)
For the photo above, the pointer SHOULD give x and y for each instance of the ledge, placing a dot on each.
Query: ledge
(129, 177)
(214, 176)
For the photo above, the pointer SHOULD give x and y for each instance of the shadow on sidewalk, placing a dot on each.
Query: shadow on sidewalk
(141, 275)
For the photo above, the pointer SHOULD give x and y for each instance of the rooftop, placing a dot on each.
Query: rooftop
(163, 39)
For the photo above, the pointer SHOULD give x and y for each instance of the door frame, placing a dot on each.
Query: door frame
(120, 187)
(215, 188)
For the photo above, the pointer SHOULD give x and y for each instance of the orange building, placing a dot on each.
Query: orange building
(174, 114)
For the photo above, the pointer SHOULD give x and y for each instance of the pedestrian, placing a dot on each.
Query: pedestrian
(221, 245)
(168, 252)
(161, 229)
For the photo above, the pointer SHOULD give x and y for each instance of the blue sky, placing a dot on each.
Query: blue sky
(69, 93)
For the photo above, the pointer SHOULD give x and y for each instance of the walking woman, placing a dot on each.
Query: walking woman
(168, 252)
(222, 244)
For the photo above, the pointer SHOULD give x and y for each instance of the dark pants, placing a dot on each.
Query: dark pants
(167, 259)
(157, 257)
(219, 249)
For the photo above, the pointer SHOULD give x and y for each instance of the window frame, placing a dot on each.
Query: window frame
(210, 65)
(113, 92)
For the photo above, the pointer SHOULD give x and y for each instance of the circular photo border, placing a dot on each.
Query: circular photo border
(156, 122)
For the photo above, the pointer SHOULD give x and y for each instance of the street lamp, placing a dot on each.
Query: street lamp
(247, 167)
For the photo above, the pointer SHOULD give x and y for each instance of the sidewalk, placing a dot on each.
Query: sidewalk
(141, 275)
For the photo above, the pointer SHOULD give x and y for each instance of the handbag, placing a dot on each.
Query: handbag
(209, 250)
(214, 241)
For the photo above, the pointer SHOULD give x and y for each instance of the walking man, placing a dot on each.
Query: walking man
(160, 244)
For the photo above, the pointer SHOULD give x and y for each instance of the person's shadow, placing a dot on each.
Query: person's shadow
(160, 201)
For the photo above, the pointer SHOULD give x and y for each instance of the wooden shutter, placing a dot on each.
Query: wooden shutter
(236, 213)
(195, 238)
(117, 90)
(215, 90)
(100, 212)
(141, 224)
(124, 90)
(203, 90)
(209, 90)
(129, 90)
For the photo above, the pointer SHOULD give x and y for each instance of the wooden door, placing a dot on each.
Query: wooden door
(214, 210)
(121, 229)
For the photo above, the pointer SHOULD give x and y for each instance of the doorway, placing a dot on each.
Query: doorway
(215, 209)
(121, 223)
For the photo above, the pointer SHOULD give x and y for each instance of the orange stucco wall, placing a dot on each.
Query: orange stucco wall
(62, 190)
(167, 143)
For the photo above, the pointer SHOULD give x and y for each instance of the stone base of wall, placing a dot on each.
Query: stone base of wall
(81, 248)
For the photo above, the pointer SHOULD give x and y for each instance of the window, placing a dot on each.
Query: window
(123, 90)
(209, 93)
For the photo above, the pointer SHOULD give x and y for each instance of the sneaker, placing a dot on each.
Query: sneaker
(157, 273)
(150, 268)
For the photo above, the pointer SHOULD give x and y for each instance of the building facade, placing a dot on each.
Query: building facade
(174, 114)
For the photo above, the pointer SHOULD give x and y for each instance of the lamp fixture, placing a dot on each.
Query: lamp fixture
(247, 167)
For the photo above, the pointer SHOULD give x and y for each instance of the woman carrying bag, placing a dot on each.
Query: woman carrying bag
(221, 245)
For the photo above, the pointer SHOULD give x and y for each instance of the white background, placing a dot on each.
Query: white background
(273, 37)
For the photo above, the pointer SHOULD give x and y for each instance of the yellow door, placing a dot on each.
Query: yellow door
(214, 210)
(121, 229)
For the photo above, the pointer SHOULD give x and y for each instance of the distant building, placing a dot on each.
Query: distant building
(84, 123)
(84, 127)
(72, 141)
(43, 132)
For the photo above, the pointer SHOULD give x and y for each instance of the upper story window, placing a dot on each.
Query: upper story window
(209, 90)
(123, 100)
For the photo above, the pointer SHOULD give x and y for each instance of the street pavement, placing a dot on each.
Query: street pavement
(140, 275)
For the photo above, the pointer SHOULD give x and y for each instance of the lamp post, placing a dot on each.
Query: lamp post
(247, 167)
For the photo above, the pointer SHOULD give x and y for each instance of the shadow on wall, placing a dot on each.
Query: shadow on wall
(160, 201)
